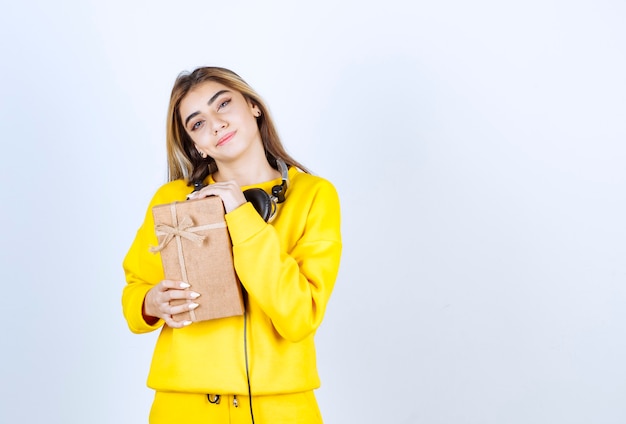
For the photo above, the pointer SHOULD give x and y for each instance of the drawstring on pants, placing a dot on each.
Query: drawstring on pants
(215, 399)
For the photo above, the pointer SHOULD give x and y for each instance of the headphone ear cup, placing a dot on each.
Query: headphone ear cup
(261, 202)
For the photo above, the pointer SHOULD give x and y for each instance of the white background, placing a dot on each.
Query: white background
(479, 151)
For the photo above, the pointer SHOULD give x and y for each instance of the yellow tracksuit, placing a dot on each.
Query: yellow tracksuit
(288, 269)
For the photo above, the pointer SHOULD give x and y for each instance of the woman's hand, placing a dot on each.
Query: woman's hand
(157, 302)
(228, 191)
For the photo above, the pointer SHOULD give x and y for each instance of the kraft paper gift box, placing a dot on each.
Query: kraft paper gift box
(196, 248)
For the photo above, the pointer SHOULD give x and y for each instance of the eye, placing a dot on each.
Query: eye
(196, 125)
(223, 104)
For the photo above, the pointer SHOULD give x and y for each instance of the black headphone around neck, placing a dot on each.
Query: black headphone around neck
(265, 204)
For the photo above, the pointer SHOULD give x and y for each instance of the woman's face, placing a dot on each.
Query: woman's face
(220, 121)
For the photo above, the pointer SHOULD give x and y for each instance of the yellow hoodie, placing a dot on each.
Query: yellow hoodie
(288, 268)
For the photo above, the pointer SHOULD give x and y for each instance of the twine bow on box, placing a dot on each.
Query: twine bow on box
(184, 229)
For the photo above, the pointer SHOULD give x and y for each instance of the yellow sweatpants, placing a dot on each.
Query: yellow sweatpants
(191, 408)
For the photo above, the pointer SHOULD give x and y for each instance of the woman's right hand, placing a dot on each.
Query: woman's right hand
(157, 303)
(229, 191)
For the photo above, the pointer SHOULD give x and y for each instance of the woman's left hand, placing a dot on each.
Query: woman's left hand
(228, 191)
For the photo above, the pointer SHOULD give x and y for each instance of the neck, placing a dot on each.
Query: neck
(246, 173)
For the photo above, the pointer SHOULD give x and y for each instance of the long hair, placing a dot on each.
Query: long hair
(183, 160)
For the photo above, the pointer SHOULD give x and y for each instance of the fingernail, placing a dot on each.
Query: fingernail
(193, 306)
(194, 295)
(186, 323)
(184, 285)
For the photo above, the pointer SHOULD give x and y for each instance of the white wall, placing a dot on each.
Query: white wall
(478, 148)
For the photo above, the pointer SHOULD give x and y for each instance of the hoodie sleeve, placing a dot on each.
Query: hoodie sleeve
(291, 277)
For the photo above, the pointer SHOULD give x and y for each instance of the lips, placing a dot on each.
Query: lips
(226, 138)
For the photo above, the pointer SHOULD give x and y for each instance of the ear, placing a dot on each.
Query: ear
(255, 110)
(202, 154)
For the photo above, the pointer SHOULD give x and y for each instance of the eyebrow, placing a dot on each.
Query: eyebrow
(210, 102)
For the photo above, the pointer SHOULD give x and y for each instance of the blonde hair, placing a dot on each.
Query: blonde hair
(183, 160)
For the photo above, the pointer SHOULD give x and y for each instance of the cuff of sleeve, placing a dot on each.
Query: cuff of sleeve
(243, 223)
(136, 321)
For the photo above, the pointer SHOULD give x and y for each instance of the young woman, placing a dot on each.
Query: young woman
(221, 139)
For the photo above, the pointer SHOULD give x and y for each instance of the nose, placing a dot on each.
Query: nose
(218, 124)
